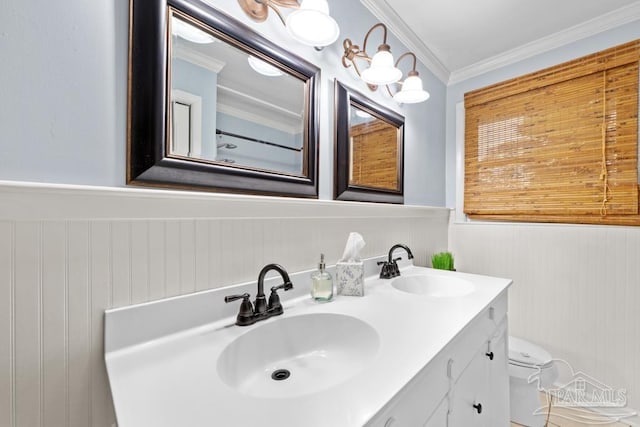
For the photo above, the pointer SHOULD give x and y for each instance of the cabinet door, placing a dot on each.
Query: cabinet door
(468, 397)
(439, 417)
(498, 398)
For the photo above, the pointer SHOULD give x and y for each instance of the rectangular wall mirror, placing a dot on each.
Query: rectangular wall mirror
(215, 106)
(369, 149)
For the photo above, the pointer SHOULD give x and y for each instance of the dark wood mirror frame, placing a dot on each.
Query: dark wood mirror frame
(148, 162)
(345, 97)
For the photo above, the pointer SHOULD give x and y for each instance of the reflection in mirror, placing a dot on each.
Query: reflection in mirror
(215, 106)
(369, 149)
(373, 151)
(229, 106)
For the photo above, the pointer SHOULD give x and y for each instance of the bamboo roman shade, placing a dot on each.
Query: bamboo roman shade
(558, 145)
(374, 155)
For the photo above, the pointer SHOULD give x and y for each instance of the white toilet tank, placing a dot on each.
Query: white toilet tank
(531, 369)
(530, 361)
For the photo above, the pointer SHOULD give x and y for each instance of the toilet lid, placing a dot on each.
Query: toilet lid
(523, 352)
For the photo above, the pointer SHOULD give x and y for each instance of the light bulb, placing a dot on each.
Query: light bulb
(312, 25)
(412, 91)
(264, 68)
(362, 114)
(189, 32)
(382, 71)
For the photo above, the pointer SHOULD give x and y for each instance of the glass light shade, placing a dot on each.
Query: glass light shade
(381, 71)
(362, 114)
(312, 25)
(261, 67)
(412, 91)
(190, 32)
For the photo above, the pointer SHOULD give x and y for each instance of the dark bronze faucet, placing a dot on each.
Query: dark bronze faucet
(390, 267)
(260, 310)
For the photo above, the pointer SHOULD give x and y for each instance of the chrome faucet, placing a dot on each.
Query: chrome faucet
(260, 310)
(390, 267)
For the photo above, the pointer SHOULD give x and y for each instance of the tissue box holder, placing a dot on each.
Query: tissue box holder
(350, 277)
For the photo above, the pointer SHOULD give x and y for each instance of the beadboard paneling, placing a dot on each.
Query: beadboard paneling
(576, 291)
(60, 269)
(7, 322)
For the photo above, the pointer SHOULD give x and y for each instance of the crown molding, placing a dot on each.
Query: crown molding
(383, 12)
(198, 58)
(605, 22)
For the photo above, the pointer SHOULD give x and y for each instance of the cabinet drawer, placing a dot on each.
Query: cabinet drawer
(500, 306)
(464, 347)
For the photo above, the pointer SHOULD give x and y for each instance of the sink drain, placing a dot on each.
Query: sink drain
(280, 374)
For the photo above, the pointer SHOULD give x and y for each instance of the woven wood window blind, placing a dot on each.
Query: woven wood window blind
(558, 145)
(374, 148)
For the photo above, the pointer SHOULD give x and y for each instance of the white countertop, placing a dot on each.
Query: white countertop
(172, 380)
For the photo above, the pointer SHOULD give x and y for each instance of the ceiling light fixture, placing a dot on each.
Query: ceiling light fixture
(362, 114)
(411, 91)
(382, 70)
(190, 32)
(310, 22)
(262, 67)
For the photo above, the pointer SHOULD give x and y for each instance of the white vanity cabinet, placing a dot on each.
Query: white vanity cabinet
(397, 357)
(467, 384)
(480, 396)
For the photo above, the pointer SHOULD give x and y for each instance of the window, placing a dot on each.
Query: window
(558, 145)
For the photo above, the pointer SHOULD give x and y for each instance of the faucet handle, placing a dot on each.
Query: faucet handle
(245, 315)
(397, 259)
(274, 307)
(286, 286)
(230, 298)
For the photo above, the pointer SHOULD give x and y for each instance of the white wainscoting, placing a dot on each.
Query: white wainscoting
(67, 253)
(576, 291)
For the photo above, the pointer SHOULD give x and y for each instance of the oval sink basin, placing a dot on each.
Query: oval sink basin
(433, 285)
(293, 356)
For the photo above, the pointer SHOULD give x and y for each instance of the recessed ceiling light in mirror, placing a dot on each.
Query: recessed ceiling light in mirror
(261, 67)
(362, 114)
(189, 32)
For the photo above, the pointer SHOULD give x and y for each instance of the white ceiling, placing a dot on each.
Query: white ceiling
(460, 38)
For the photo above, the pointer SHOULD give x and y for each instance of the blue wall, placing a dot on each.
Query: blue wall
(63, 85)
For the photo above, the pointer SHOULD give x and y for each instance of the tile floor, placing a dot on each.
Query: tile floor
(567, 417)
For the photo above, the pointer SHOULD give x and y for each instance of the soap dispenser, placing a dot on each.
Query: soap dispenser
(321, 283)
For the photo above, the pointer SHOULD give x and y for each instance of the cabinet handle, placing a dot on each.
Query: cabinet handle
(390, 422)
(478, 407)
(489, 355)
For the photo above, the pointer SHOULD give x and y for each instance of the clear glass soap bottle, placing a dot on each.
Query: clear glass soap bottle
(321, 283)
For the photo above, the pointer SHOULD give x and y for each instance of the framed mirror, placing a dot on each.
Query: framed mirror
(369, 164)
(215, 106)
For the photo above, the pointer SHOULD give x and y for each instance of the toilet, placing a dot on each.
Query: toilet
(530, 368)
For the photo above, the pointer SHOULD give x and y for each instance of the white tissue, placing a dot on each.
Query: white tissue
(350, 269)
(354, 245)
